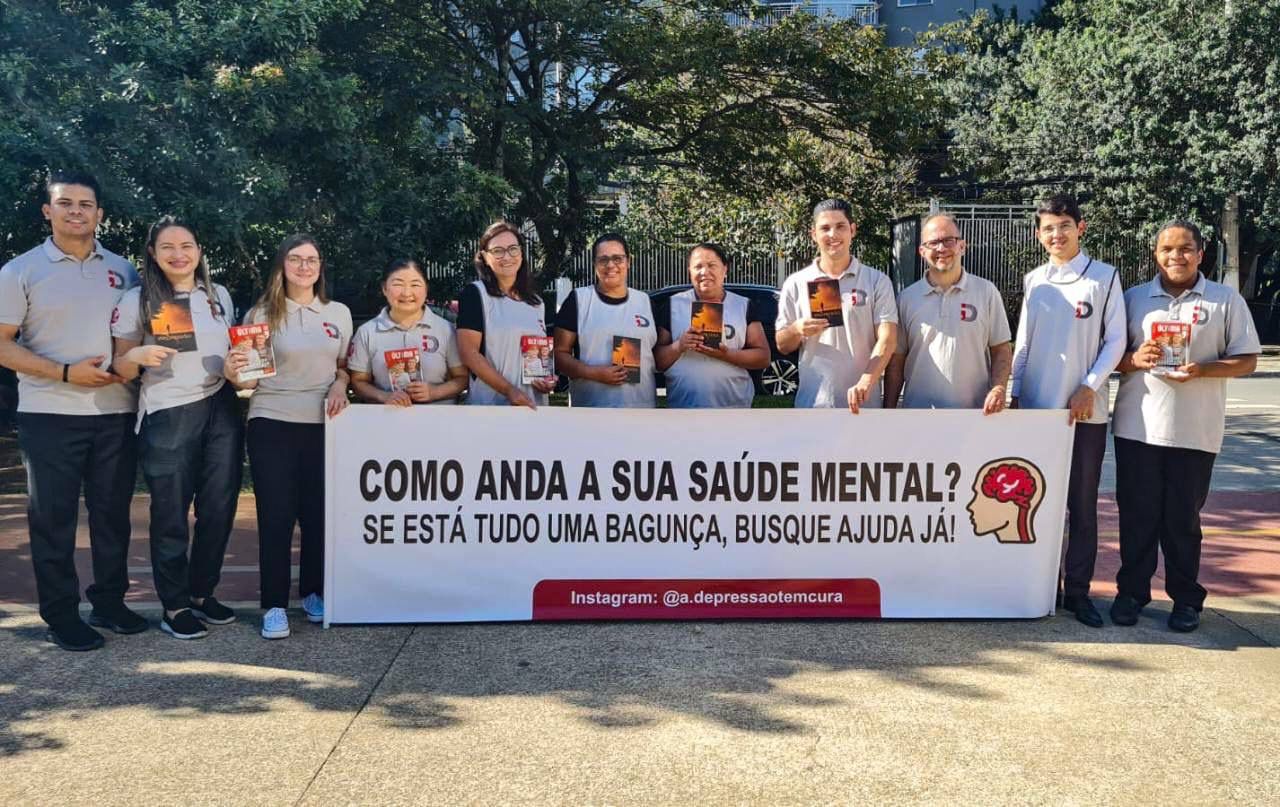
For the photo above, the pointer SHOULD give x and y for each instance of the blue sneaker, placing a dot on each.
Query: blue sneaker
(275, 624)
(313, 604)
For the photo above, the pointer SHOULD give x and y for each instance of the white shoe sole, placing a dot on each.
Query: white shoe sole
(275, 634)
(167, 628)
(315, 617)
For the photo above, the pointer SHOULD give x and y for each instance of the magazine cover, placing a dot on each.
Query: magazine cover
(172, 326)
(626, 352)
(537, 359)
(255, 342)
(708, 319)
(1172, 338)
(824, 301)
(404, 367)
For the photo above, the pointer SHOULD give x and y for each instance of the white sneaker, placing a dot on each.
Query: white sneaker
(275, 624)
(313, 604)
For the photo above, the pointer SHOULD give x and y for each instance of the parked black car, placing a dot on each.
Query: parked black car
(782, 375)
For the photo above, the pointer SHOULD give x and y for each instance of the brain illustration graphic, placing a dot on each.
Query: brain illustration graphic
(1009, 483)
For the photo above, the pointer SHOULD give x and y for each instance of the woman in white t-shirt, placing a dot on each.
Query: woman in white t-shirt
(438, 376)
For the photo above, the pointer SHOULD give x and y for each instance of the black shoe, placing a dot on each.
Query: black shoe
(184, 625)
(74, 635)
(118, 619)
(1083, 608)
(1125, 610)
(1184, 618)
(213, 612)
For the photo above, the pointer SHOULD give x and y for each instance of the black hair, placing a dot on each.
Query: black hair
(1060, 204)
(1183, 224)
(523, 285)
(71, 178)
(156, 288)
(710, 247)
(833, 206)
(403, 263)
(605, 238)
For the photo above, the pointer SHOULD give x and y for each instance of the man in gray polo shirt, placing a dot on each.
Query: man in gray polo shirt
(839, 364)
(953, 333)
(75, 417)
(1168, 422)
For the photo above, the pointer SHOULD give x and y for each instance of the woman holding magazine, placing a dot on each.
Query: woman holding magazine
(500, 318)
(709, 338)
(407, 354)
(309, 334)
(173, 330)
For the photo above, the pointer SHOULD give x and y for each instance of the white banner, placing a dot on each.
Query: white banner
(450, 514)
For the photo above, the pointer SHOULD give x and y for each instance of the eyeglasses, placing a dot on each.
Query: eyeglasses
(294, 261)
(1054, 229)
(496, 253)
(610, 260)
(941, 243)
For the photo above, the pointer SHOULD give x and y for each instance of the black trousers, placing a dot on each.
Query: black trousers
(192, 452)
(287, 463)
(1090, 445)
(1160, 491)
(63, 454)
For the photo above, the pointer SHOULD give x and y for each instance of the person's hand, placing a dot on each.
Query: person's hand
(717, 352)
(399, 398)
(235, 361)
(1080, 404)
(1147, 355)
(336, 400)
(612, 374)
(1188, 371)
(690, 340)
(149, 355)
(859, 392)
(89, 373)
(419, 392)
(995, 400)
(544, 385)
(516, 397)
(810, 326)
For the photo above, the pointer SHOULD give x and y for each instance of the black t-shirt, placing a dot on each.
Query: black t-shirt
(662, 312)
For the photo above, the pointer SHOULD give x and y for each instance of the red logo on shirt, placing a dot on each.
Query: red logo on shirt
(331, 330)
(641, 322)
(114, 279)
(115, 315)
(1199, 315)
(1084, 309)
(351, 349)
(968, 312)
(430, 344)
(858, 297)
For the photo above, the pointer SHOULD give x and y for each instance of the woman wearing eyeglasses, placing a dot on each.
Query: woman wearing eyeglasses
(610, 328)
(310, 334)
(494, 313)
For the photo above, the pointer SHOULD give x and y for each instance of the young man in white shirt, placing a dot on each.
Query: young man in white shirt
(1169, 421)
(954, 347)
(1070, 339)
(839, 365)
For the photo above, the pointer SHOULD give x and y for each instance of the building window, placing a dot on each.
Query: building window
(905, 3)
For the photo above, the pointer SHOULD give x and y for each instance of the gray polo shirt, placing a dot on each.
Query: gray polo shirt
(310, 345)
(1071, 332)
(832, 361)
(432, 335)
(947, 338)
(185, 377)
(1187, 414)
(697, 380)
(63, 307)
(598, 323)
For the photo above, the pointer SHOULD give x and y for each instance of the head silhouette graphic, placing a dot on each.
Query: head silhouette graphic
(1006, 494)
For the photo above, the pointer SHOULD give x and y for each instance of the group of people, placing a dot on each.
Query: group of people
(79, 325)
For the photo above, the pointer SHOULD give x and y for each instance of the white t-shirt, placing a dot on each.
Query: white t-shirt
(598, 323)
(697, 380)
(505, 321)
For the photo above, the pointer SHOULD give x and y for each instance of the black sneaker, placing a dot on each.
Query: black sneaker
(1084, 610)
(183, 625)
(1184, 618)
(74, 635)
(213, 612)
(118, 619)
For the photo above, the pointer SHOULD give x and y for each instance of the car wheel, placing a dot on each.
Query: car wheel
(781, 377)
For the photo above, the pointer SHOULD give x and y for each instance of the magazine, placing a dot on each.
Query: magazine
(255, 342)
(1173, 338)
(824, 301)
(172, 326)
(626, 353)
(404, 367)
(537, 361)
(708, 320)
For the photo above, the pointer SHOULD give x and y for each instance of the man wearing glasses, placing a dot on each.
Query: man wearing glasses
(953, 348)
(1071, 336)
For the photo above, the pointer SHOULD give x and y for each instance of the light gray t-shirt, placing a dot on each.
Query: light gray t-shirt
(832, 361)
(947, 338)
(1186, 414)
(505, 321)
(310, 345)
(185, 377)
(1071, 332)
(432, 335)
(63, 307)
(598, 323)
(697, 380)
